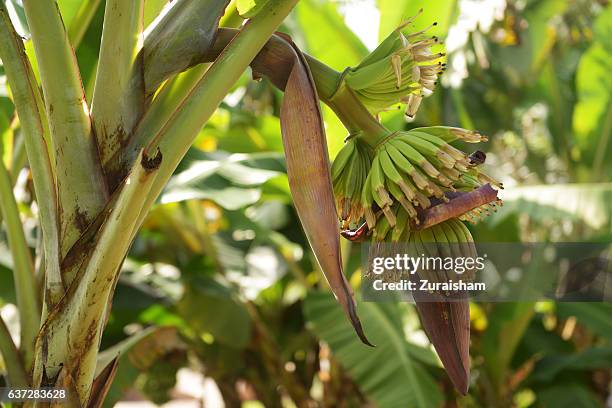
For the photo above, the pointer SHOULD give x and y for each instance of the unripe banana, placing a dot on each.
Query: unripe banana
(391, 43)
(396, 71)
(398, 194)
(369, 75)
(414, 156)
(342, 158)
(422, 200)
(429, 149)
(452, 134)
(452, 238)
(464, 236)
(403, 223)
(450, 150)
(382, 228)
(388, 166)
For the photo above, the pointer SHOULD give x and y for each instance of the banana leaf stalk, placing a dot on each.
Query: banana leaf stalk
(309, 176)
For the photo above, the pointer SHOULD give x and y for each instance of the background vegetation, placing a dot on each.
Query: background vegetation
(220, 281)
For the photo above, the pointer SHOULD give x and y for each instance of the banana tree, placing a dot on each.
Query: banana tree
(98, 167)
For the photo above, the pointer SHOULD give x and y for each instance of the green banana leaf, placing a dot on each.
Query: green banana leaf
(332, 41)
(593, 113)
(232, 181)
(588, 204)
(393, 373)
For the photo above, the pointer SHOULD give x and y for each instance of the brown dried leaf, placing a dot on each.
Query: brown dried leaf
(102, 383)
(309, 176)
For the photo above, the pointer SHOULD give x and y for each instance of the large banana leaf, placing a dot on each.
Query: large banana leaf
(550, 367)
(332, 41)
(567, 394)
(232, 181)
(593, 113)
(392, 374)
(395, 12)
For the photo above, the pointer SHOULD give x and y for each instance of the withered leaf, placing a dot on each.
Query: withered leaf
(309, 176)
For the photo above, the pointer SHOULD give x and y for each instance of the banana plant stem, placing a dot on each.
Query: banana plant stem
(35, 130)
(175, 137)
(81, 188)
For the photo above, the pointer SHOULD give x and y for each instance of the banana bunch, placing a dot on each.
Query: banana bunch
(414, 169)
(448, 239)
(402, 69)
(349, 172)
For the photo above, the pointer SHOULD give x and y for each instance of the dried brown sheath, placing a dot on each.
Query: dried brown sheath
(309, 176)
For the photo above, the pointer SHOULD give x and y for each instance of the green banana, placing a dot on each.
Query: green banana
(422, 200)
(376, 176)
(391, 43)
(388, 166)
(382, 229)
(429, 149)
(452, 174)
(468, 248)
(403, 221)
(351, 176)
(341, 159)
(389, 215)
(399, 158)
(436, 191)
(452, 238)
(414, 156)
(404, 165)
(399, 195)
(450, 150)
(369, 75)
(378, 185)
(367, 199)
(366, 193)
(452, 134)
(441, 239)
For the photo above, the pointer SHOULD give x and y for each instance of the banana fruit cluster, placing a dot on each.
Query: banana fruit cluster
(448, 239)
(406, 172)
(349, 171)
(402, 69)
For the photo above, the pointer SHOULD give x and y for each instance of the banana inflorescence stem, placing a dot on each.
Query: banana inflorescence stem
(273, 61)
(355, 117)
